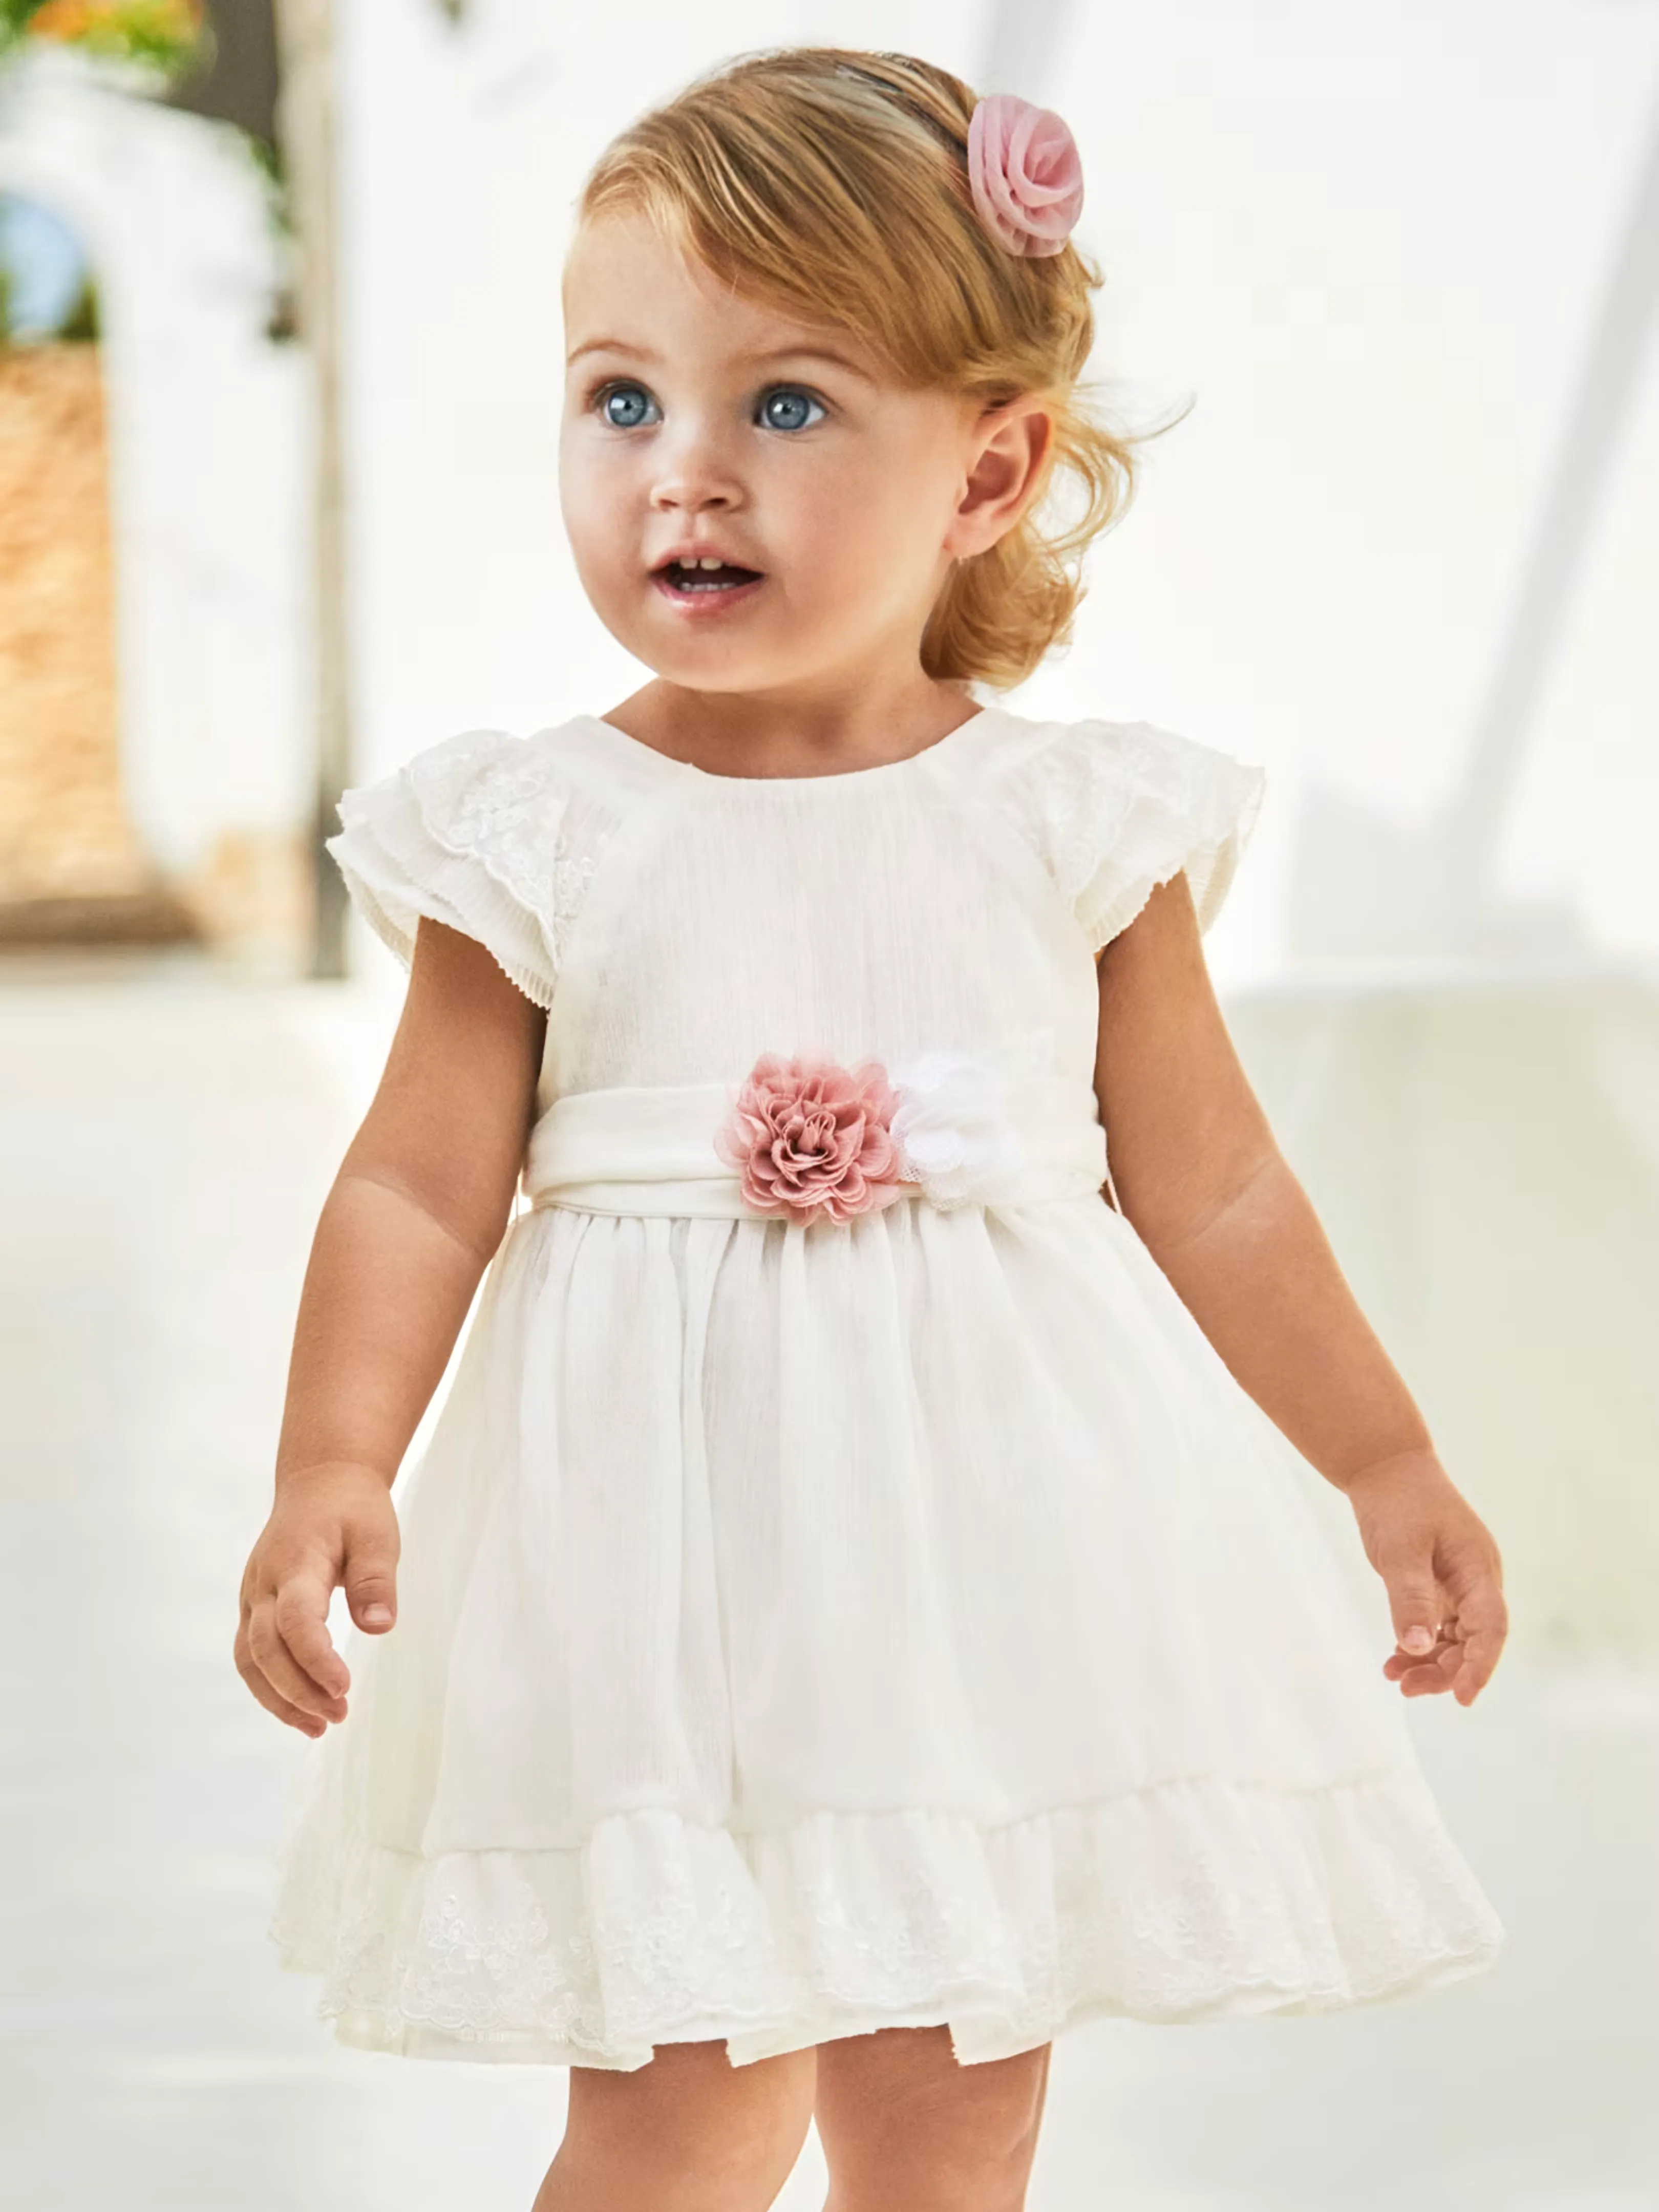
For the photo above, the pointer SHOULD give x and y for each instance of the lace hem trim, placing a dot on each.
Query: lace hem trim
(1196, 1899)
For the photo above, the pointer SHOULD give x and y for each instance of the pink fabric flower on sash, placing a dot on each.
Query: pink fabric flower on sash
(809, 1138)
(1026, 173)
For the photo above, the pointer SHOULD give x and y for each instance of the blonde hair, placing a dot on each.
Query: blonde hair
(834, 185)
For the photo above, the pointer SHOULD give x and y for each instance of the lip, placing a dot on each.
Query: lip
(706, 605)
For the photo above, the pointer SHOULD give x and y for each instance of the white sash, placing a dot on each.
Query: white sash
(650, 1150)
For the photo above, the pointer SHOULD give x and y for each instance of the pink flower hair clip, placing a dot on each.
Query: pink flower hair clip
(1025, 174)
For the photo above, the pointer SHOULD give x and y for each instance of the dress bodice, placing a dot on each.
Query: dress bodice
(677, 924)
(942, 910)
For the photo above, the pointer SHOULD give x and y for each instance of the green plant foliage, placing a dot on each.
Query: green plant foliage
(81, 326)
(165, 35)
(14, 23)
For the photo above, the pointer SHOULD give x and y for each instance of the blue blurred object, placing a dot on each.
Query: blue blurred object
(45, 267)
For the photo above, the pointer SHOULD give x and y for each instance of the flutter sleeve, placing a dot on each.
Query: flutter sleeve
(469, 833)
(1117, 808)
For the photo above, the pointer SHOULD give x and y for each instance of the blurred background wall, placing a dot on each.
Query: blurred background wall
(279, 389)
(154, 419)
(1373, 248)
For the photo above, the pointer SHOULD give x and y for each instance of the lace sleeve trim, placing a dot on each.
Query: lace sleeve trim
(472, 833)
(1120, 808)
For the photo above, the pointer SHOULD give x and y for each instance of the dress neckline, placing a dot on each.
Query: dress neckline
(980, 723)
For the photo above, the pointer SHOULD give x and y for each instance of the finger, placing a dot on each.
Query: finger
(1431, 1672)
(271, 1658)
(371, 1582)
(1448, 1635)
(1484, 1625)
(1413, 1600)
(301, 1621)
(308, 1723)
(276, 1663)
(1398, 1664)
(1479, 1654)
(1478, 1593)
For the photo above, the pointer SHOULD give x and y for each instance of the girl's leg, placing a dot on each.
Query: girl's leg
(902, 2124)
(690, 2132)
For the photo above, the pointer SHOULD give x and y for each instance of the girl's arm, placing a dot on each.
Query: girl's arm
(1210, 1194)
(414, 1217)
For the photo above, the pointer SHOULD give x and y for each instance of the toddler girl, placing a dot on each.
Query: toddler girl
(858, 1615)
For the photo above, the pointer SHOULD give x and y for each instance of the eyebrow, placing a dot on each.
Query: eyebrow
(818, 353)
(612, 345)
(783, 353)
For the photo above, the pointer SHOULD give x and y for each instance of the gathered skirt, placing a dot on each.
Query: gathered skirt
(805, 1631)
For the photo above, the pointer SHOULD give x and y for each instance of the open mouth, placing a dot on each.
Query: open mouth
(690, 579)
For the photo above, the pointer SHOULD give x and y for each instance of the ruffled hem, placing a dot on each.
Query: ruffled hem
(1195, 1900)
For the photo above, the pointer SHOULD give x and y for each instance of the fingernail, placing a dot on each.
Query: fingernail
(375, 1616)
(1418, 1639)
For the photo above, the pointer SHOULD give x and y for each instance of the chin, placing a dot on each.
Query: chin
(719, 667)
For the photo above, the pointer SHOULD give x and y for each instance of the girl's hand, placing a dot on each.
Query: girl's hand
(1443, 1572)
(330, 1525)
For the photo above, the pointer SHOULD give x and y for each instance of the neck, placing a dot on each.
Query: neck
(821, 728)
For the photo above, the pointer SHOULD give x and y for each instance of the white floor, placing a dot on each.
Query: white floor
(168, 1131)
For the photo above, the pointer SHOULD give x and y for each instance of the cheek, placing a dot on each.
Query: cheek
(591, 500)
(867, 514)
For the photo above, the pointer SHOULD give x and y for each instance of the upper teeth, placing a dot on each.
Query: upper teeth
(707, 561)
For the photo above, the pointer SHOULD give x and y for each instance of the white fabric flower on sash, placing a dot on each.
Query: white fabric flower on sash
(952, 1130)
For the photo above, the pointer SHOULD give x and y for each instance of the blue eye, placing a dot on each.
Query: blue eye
(626, 406)
(788, 408)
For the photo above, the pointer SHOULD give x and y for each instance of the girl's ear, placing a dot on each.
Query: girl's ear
(1010, 449)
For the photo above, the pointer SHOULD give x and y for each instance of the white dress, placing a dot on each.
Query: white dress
(812, 1626)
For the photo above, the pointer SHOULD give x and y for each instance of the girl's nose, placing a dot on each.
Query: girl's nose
(693, 474)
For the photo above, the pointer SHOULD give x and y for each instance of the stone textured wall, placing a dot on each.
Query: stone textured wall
(64, 831)
(71, 866)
